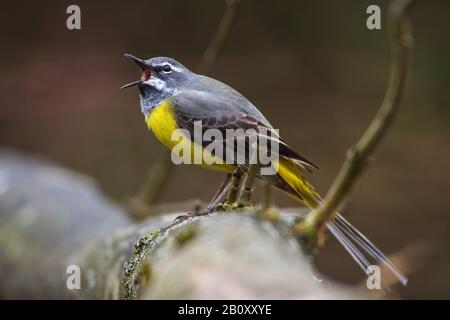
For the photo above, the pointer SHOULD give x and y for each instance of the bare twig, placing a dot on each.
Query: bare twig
(154, 183)
(358, 155)
(212, 52)
(267, 195)
(160, 171)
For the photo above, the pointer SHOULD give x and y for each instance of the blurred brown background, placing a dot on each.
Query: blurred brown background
(311, 66)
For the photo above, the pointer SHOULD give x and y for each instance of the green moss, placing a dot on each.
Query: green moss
(146, 273)
(186, 234)
(137, 271)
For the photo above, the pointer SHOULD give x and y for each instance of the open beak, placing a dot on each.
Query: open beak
(131, 84)
(141, 63)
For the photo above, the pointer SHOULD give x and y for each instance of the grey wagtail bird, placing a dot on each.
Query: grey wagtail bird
(173, 97)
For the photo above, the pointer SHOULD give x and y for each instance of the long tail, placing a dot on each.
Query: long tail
(353, 241)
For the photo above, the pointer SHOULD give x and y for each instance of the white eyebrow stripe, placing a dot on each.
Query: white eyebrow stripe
(171, 66)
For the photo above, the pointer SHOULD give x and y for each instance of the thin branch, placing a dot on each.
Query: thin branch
(215, 47)
(358, 155)
(159, 172)
(157, 178)
(267, 196)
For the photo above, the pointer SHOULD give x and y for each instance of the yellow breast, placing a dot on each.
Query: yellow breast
(161, 121)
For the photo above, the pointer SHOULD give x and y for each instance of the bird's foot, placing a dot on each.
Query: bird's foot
(224, 206)
(243, 207)
(190, 215)
(227, 206)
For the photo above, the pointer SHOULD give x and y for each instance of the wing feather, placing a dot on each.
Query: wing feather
(221, 113)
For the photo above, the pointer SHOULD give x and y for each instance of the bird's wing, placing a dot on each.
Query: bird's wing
(221, 112)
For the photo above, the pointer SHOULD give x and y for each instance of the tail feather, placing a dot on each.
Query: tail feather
(356, 254)
(354, 242)
(350, 237)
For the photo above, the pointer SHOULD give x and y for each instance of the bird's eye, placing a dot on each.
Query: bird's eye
(166, 68)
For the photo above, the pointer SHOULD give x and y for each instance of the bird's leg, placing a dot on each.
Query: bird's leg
(245, 197)
(235, 187)
(247, 186)
(230, 187)
(233, 191)
(220, 194)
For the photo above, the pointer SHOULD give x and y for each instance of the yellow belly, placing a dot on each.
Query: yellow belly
(161, 121)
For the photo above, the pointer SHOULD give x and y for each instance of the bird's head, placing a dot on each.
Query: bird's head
(161, 78)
